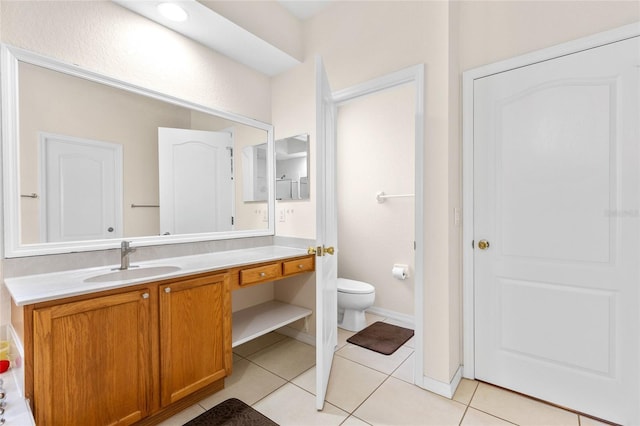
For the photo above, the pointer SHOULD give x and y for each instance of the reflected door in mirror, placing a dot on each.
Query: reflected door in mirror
(81, 189)
(196, 181)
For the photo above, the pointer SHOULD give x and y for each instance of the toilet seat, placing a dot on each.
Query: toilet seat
(354, 287)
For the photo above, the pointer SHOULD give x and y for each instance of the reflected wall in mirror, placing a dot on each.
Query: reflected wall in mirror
(292, 169)
(108, 160)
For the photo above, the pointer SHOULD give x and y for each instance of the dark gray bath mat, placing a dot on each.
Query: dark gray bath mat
(231, 412)
(381, 337)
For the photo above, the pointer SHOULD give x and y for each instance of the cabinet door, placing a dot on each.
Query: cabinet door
(195, 335)
(92, 362)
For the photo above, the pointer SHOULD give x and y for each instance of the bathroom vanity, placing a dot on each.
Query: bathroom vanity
(136, 346)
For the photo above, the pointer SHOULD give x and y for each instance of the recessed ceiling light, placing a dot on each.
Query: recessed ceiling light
(173, 12)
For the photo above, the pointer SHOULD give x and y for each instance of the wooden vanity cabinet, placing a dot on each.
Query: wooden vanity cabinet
(133, 355)
(195, 338)
(140, 354)
(92, 360)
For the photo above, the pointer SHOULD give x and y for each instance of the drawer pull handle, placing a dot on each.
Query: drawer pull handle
(262, 274)
(145, 295)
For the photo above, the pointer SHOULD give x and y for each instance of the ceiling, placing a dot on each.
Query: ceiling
(222, 35)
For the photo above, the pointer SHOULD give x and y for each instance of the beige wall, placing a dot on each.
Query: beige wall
(375, 152)
(362, 40)
(104, 37)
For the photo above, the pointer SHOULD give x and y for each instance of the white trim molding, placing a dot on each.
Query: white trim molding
(412, 75)
(400, 319)
(441, 388)
(468, 78)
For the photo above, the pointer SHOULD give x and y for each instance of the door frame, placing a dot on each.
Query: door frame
(468, 78)
(412, 75)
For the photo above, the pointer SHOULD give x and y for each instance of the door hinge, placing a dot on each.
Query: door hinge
(232, 220)
(473, 244)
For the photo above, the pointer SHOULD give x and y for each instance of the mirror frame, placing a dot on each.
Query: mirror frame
(10, 58)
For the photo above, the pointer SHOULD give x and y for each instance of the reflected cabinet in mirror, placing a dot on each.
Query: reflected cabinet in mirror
(89, 160)
(292, 169)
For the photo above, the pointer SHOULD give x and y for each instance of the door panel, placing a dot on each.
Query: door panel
(326, 234)
(196, 182)
(81, 189)
(556, 194)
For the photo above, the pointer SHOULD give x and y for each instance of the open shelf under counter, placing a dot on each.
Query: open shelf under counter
(261, 319)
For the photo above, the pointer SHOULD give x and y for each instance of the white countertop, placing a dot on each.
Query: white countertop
(31, 289)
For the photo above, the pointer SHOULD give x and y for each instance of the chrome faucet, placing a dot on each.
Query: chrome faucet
(125, 251)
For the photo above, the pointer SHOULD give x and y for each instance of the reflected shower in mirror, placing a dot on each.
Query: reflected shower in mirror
(108, 160)
(292, 169)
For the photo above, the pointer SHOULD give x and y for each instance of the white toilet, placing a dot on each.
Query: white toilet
(353, 298)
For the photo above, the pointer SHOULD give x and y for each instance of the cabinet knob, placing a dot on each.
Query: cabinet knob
(262, 274)
(300, 266)
(145, 295)
(167, 290)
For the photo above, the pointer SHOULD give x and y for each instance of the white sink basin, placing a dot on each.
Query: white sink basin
(132, 274)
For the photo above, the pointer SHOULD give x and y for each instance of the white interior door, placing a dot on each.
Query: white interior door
(326, 234)
(196, 181)
(81, 189)
(557, 196)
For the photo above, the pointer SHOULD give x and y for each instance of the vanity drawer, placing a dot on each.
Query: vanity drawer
(260, 274)
(291, 267)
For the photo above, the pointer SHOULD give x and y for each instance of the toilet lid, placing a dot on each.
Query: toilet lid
(354, 287)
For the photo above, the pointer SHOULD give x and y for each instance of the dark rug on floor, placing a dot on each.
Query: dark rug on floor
(381, 337)
(231, 412)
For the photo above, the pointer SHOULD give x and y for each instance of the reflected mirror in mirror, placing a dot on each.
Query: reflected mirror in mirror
(100, 162)
(292, 169)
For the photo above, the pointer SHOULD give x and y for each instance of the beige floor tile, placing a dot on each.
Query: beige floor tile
(474, 417)
(587, 421)
(354, 421)
(249, 383)
(465, 391)
(291, 405)
(383, 363)
(349, 383)
(400, 403)
(183, 416)
(519, 409)
(343, 335)
(258, 344)
(405, 371)
(307, 380)
(286, 358)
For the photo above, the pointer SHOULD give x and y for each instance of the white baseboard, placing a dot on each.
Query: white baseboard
(402, 320)
(441, 388)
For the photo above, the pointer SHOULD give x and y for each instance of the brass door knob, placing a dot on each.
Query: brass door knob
(483, 244)
(328, 250)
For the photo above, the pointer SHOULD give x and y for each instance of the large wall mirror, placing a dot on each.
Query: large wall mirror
(292, 169)
(89, 161)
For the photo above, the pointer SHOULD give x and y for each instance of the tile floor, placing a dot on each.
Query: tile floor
(276, 375)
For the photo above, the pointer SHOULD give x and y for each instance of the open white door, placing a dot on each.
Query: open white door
(196, 181)
(326, 234)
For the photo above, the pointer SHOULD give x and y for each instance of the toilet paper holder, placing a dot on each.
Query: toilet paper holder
(400, 271)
